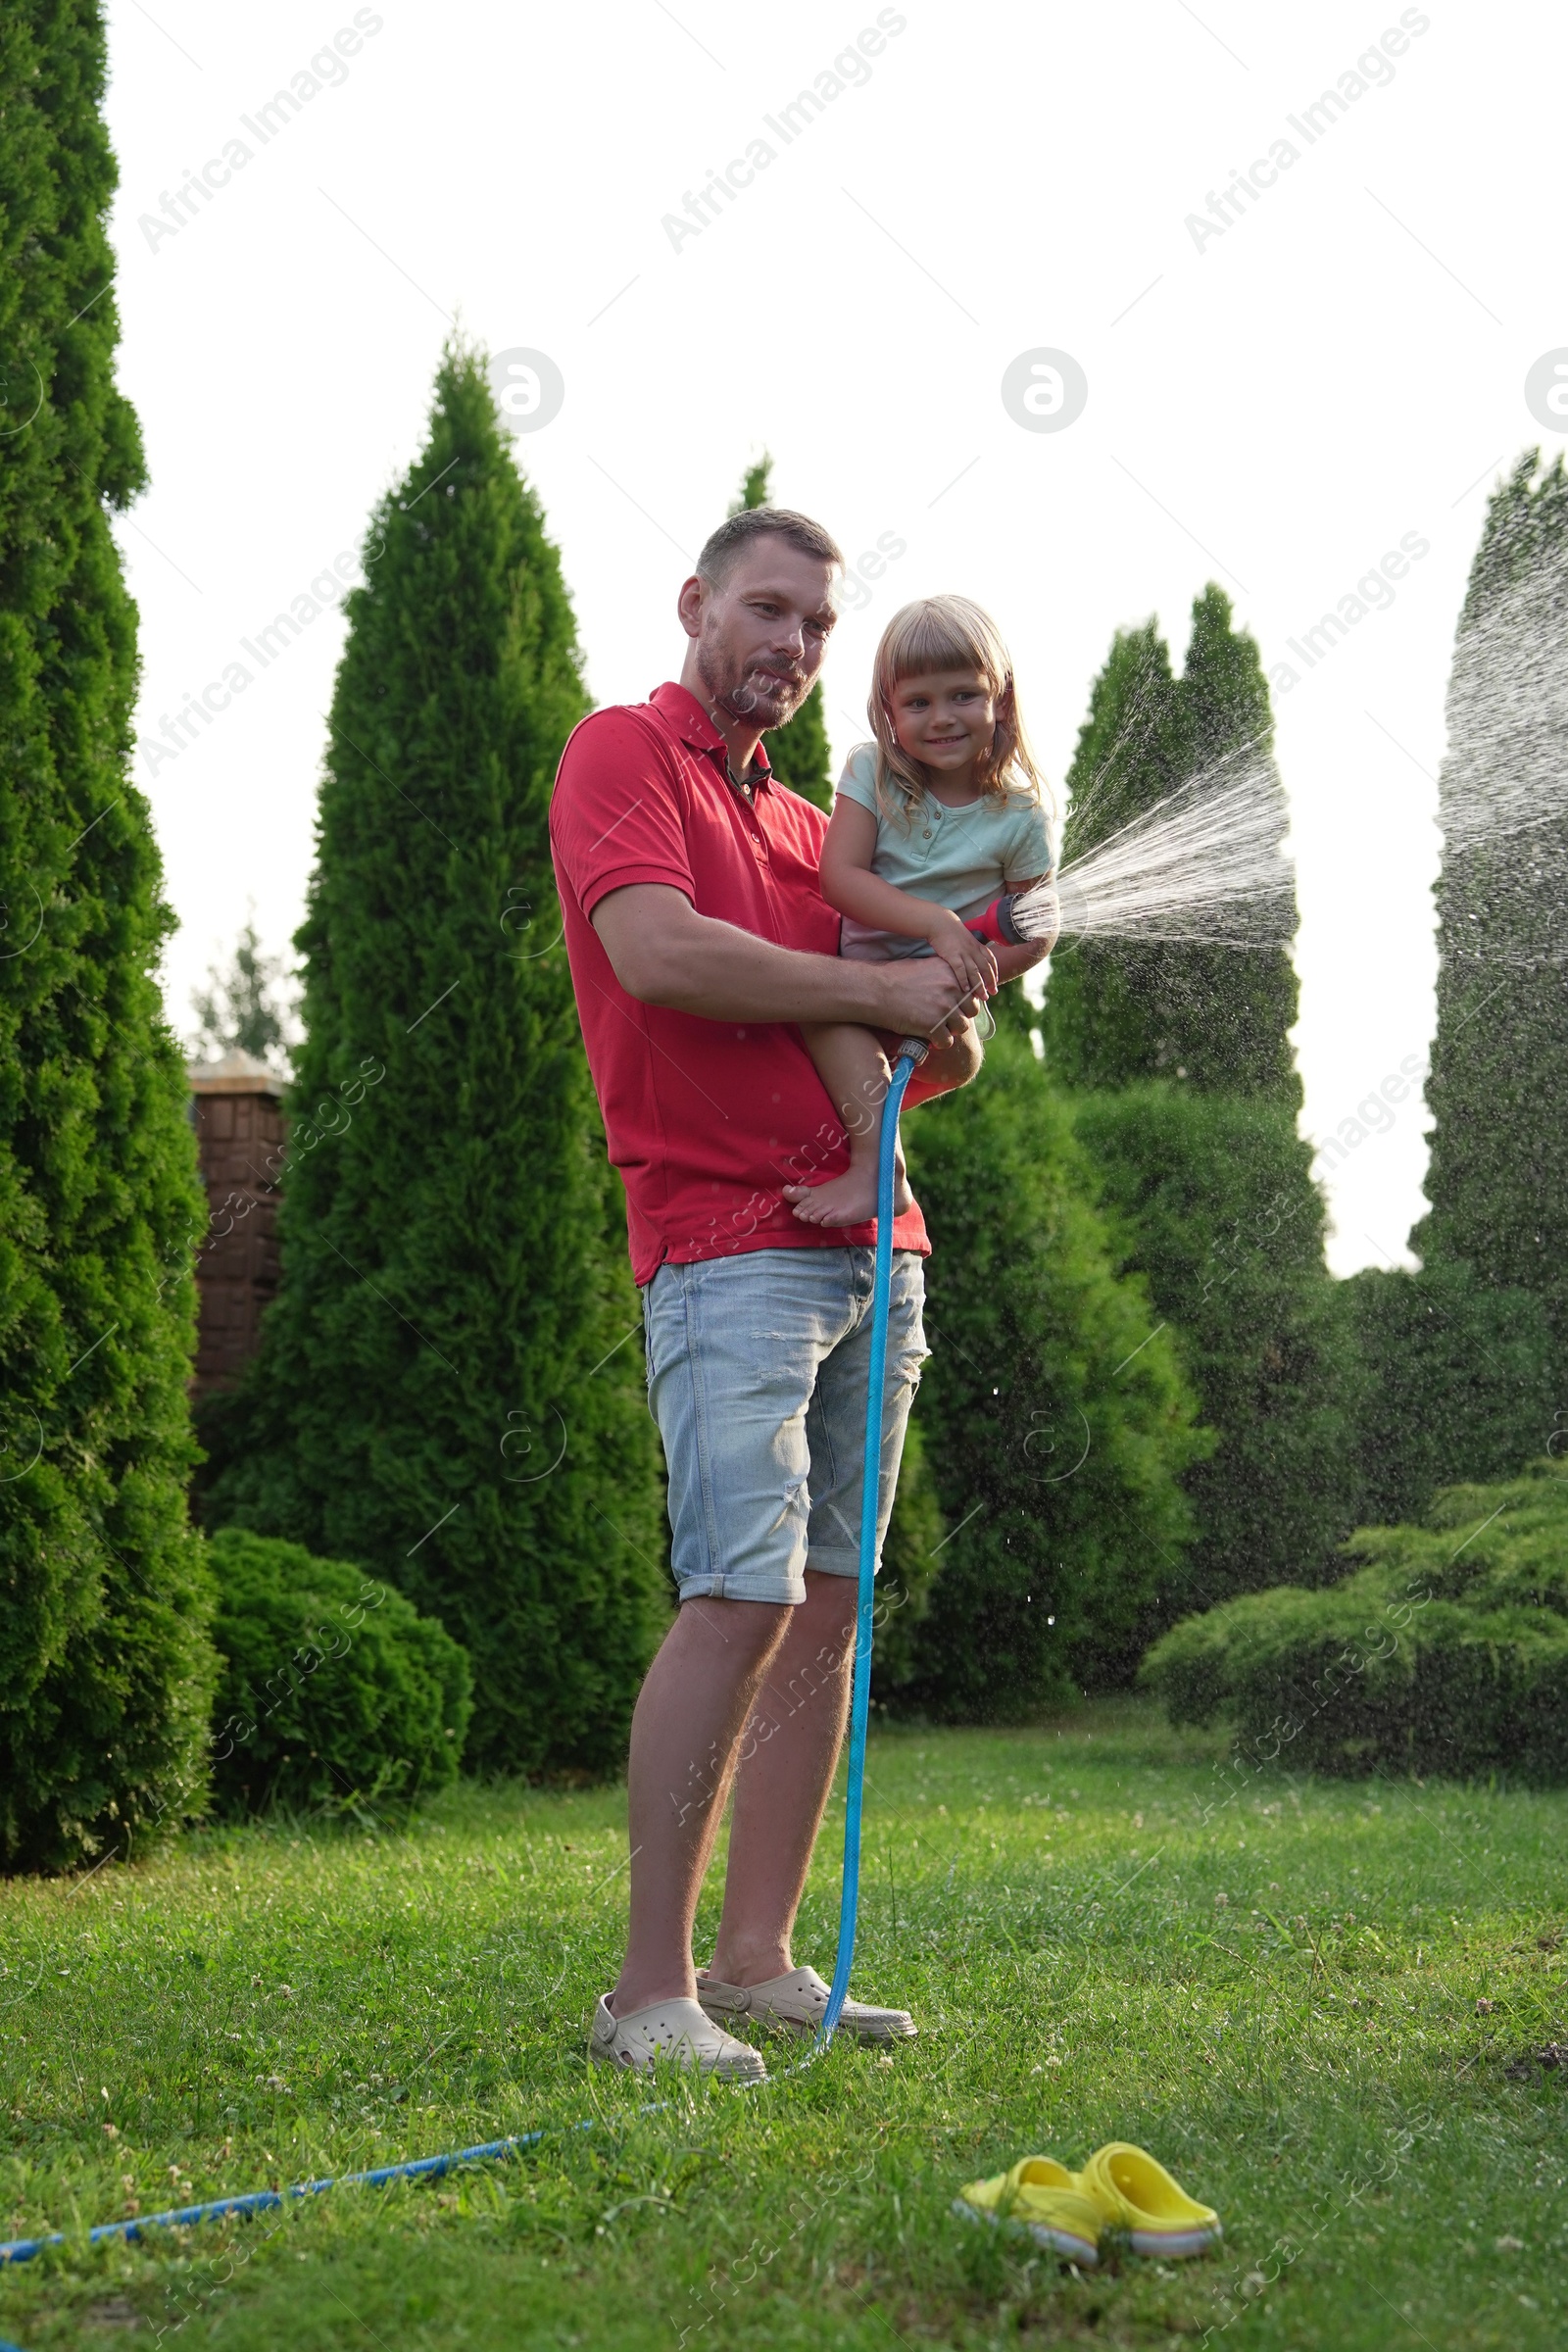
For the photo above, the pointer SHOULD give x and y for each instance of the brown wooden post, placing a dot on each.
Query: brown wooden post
(240, 1132)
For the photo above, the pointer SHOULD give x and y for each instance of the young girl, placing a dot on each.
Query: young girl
(932, 821)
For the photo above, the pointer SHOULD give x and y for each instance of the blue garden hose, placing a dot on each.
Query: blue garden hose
(913, 1050)
(265, 2200)
(262, 2200)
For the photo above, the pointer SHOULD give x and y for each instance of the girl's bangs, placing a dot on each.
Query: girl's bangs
(933, 636)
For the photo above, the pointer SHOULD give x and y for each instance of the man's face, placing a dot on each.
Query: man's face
(761, 633)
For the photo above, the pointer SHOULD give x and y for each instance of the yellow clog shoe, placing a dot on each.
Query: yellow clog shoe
(1132, 2192)
(1041, 2197)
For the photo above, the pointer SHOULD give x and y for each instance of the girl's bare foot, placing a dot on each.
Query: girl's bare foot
(847, 1199)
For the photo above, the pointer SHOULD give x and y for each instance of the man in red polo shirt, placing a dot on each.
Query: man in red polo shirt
(698, 940)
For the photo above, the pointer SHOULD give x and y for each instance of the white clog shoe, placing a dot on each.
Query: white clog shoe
(675, 2030)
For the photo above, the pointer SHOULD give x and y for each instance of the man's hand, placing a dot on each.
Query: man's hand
(928, 1000)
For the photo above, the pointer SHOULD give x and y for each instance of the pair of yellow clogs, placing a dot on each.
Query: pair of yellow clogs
(1122, 2189)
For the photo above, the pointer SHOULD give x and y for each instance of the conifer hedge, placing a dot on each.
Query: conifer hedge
(449, 1388)
(1456, 1383)
(1055, 1416)
(911, 1560)
(106, 1668)
(1212, 1203)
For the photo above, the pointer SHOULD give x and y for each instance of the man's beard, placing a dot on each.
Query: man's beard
(749, 691)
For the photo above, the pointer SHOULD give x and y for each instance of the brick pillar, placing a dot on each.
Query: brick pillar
(236, 1111)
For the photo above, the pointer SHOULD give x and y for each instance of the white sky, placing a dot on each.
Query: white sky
(1342, 366)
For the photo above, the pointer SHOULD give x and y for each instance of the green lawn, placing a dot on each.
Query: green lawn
(1100, 1930)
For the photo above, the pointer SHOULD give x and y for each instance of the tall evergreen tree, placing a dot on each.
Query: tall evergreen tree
(1118, 1010)
(444, 1391)
(1499, 1087)
(105, 1665)
(800, 754)
(241, 1006)
(1187, 1100)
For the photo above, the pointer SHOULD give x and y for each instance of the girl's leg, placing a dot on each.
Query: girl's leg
(854, 1068)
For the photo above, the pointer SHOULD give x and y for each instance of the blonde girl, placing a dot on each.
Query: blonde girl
(936, 817)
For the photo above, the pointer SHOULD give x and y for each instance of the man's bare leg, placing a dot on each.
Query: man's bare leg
(782, 1782)
(699, 1689)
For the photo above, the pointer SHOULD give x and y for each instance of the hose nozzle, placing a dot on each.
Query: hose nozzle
(997, 925)
(1021, 916)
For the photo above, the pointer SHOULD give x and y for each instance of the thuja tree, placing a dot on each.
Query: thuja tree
(1118, 1010)
(1499, 1087)
(1187, 1100)
(448, 1389)
(106, 1669)
(799, 754)
(243, 1006)
(1056, 1419)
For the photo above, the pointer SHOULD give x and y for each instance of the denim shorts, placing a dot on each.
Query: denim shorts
(757, 1377)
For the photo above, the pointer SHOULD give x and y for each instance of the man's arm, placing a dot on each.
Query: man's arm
(662, 952)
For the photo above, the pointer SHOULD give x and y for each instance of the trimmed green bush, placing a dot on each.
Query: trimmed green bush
(1055, 1417)
(105, 1667)
(333, 1687)
(1446, 1652)
(1456, 1383)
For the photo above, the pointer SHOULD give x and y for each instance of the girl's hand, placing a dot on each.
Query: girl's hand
(970, 960)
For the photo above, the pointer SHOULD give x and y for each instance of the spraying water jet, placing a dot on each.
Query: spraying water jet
(1206, 866)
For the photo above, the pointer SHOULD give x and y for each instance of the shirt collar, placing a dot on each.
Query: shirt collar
(679, 706)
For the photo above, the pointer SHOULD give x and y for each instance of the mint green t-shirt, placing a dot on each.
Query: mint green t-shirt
(957, 858)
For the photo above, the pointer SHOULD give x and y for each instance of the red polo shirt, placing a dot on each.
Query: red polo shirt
(706, 1119)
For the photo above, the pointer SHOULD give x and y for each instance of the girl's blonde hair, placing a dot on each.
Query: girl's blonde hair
(946, 632)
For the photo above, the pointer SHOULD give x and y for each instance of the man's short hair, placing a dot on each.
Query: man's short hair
(732, 537)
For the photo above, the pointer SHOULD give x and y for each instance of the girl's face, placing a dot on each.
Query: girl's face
(947, 721)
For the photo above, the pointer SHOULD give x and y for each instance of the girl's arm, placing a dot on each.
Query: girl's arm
(849, 883)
